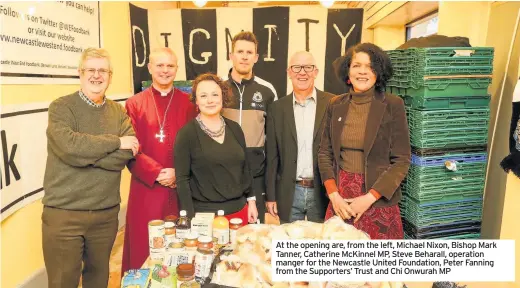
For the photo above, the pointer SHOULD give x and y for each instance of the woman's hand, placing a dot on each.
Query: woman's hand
(252, 212)
(361, 204)
(340, 206)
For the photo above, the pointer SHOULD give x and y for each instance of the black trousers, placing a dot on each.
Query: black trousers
(259, 189)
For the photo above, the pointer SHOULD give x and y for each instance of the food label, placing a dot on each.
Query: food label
(222, 236)
(181, 233)
(233, 236)
(203, 265)
(169, 239)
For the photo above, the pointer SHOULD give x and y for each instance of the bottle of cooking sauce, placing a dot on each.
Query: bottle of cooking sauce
(182, 226)
(221, 228)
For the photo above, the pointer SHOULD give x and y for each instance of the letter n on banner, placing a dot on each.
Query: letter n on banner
(344, 28)
(199, 33)
(271, 28)
(140, 46)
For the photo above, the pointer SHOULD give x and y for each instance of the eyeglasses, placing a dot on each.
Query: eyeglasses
(92, 71)
(306, 68)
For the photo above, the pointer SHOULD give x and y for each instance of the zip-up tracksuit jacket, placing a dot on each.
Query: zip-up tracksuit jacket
(252, 100)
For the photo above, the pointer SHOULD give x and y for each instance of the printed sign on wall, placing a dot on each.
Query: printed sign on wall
(41, 42)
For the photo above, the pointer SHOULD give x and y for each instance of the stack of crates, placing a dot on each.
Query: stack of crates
(445, 91)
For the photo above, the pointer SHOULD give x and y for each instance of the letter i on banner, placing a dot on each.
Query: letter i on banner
(140, 46)
(271, 27)
(199, 33)
(343, 31)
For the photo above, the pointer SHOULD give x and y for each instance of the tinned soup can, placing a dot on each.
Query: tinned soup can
(156, 239)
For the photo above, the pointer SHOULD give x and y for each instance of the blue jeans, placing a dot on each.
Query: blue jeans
(304, 204)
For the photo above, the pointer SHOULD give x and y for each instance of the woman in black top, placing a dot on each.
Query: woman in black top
(210, 157)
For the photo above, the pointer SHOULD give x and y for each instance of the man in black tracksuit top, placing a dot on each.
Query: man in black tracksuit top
(252, 96)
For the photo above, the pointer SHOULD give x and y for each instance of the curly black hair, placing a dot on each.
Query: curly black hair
(379, 61)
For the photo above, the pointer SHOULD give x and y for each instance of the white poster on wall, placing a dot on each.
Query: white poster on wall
(23, 155)
(41, 42)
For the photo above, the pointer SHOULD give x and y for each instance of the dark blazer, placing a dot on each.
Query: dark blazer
(282, 153)
(387, 145)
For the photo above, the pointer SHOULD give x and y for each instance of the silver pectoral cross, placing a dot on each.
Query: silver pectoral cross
(160, 136)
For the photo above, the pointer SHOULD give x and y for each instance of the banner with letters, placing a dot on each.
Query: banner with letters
(42, 41)
(201, 38)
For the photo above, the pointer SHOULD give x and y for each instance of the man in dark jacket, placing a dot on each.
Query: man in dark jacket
(294, 188)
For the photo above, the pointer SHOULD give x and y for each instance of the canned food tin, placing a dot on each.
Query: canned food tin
(156, 239)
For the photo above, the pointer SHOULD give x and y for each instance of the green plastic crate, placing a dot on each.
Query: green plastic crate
(464, 236)
(422, 174)
(449, 139)
(451, 51)
(456, 216)
(452, 86)
(448, 128)
(450, 61)
(417, 74)
(420, 215)
(439, 103)
(420, 121)
(445, 190)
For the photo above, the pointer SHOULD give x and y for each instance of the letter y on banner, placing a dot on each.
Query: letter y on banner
(343, 31)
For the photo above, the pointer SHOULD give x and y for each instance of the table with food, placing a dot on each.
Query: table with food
(210, 251)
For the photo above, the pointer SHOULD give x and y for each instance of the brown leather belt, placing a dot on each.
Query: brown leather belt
(306, 183)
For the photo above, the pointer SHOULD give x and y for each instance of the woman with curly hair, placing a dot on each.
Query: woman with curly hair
(365, 149)
(210, 157)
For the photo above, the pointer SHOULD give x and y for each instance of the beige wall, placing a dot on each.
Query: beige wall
(500, 30)
(469, 19)
(388, 37)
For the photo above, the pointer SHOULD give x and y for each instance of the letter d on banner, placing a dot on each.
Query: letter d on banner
(140, 46)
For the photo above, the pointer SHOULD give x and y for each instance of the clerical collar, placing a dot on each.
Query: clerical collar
(90, 102)
(162, 94)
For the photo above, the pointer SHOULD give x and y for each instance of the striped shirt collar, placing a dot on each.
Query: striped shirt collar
(90, 102)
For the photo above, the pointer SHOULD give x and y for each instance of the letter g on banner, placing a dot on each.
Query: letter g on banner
(204, 55)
